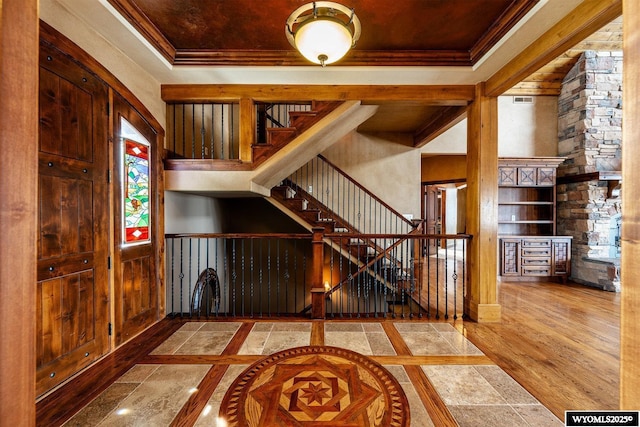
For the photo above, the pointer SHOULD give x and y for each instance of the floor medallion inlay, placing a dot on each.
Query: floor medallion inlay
(315, 386)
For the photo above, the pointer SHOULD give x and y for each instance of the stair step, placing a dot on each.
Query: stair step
(279, 191)
(303, 119)
(328, 225)
(322, 106)
(298, 204)
(279, 137)
(260, 152)
(341, 230)
(289, 193)
(299, 122)
(311, 215)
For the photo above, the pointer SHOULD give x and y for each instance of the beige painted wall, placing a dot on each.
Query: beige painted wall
(453, 141)
(524, 130)
(528, 130)
(385, 164)
(190, 213)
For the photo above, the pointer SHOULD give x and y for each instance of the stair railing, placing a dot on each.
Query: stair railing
(341, 199)
(347, 208)
(261, 275)
(203, 131)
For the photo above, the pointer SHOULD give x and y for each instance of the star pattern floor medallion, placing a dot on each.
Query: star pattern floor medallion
(315, 386)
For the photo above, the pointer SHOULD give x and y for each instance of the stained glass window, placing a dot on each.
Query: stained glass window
(136, 189)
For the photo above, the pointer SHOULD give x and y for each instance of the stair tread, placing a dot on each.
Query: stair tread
(283, 130)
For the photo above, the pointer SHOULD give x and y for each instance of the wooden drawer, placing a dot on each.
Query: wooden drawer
(536, 271)
(536, 252)
(536, 261)
(536, 243)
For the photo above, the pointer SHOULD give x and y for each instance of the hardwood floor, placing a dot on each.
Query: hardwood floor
(561, 342)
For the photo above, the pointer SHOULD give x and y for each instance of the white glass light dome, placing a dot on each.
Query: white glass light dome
(323, 31)
(323, 41)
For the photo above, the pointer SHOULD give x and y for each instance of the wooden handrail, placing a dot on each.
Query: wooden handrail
(373, 196)
(239, 236)
(309, 235)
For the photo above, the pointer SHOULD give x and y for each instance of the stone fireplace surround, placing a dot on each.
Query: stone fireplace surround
(590, 137)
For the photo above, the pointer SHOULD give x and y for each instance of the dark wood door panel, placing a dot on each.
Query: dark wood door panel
(66, 216)
(138, 304)
(63, 107)
(73, 222)
(66, 307)
(67, 326)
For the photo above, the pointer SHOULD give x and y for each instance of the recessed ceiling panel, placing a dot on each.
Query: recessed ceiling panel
(250, 32)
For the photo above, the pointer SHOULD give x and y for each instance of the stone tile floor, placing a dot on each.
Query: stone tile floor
(476, 395)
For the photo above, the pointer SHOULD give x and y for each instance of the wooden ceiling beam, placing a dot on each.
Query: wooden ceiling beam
(460, 95)
(439, 124)
(532, 91)
(588, 17)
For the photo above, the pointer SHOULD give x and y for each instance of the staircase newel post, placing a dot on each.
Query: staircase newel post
(318, 305)
(247, 129)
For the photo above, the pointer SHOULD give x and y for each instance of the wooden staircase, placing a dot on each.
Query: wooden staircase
(299, 121)
(312, 211)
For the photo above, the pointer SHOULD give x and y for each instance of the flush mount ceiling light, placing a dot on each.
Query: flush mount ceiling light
(323, 31)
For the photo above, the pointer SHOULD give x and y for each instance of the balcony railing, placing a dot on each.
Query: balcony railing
(203, 131)
(242, 275)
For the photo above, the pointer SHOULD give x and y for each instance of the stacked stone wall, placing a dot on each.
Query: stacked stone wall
(590, 137)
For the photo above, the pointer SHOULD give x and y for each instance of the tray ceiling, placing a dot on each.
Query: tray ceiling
(250, 32)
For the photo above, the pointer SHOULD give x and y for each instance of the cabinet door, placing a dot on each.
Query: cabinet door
(546, 176)
(527, 176)
(509, 257)
(73, 205)
(507, 175)
(561, 264)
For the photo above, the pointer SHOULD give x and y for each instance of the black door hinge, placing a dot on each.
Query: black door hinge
(110, 329)
(108, 263)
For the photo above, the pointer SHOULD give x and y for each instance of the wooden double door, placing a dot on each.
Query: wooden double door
(93, 292)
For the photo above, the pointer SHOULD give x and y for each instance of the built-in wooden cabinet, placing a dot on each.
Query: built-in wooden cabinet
(528, 256)
(529, 246)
